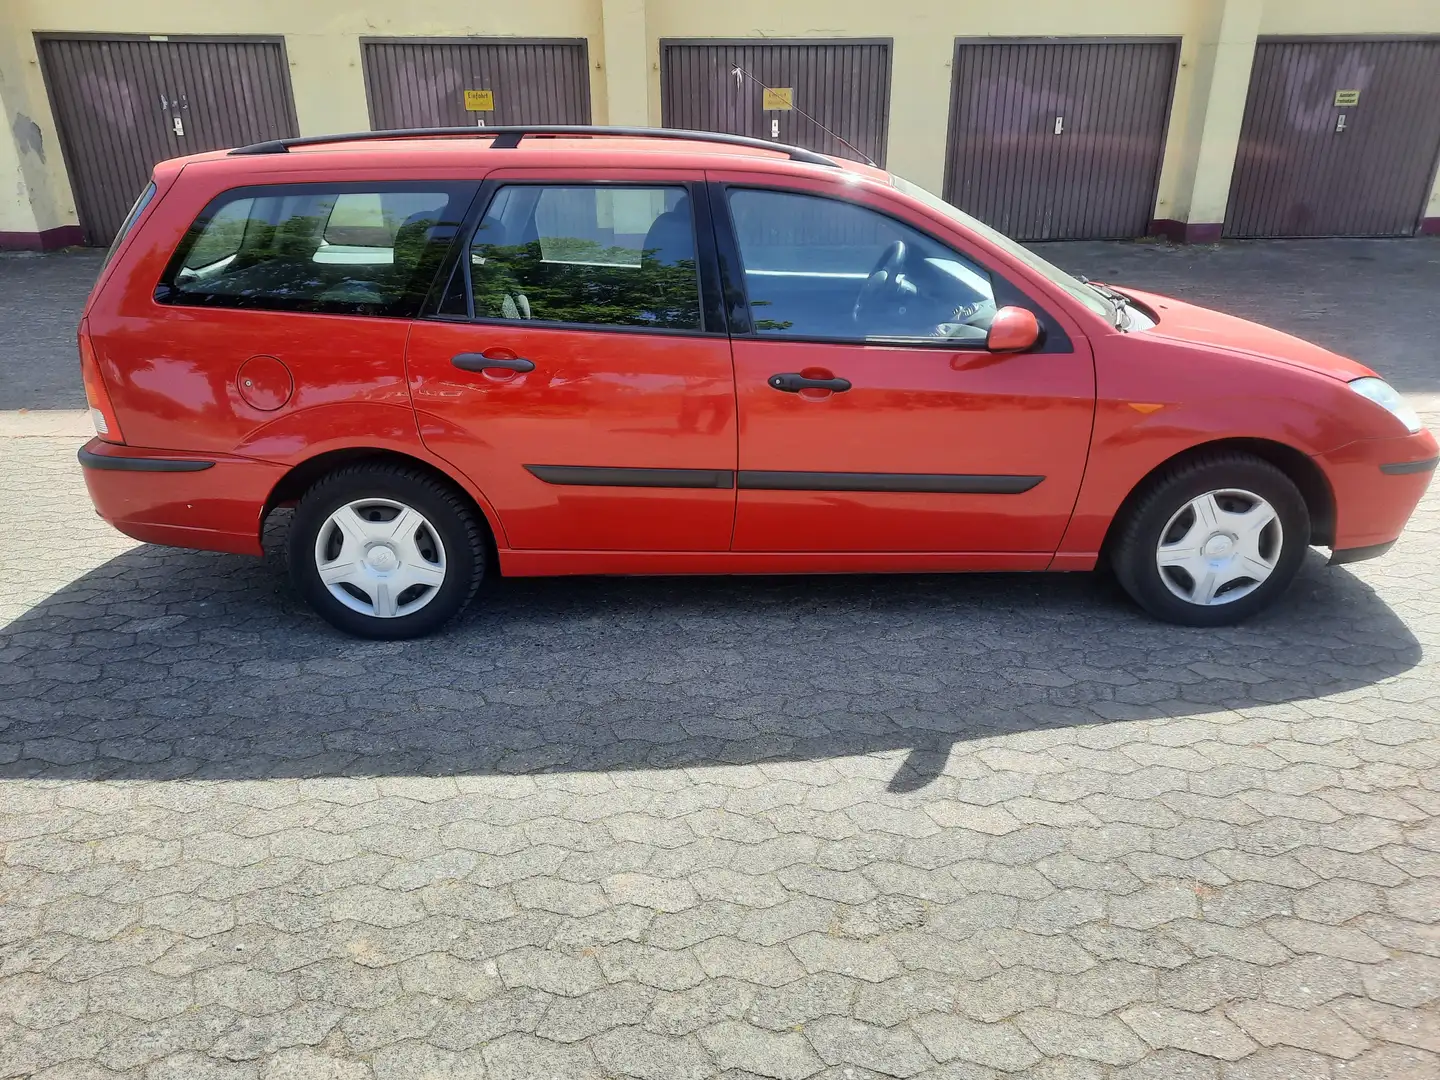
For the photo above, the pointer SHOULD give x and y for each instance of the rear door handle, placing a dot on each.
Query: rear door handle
(792, 383)
(474, 361)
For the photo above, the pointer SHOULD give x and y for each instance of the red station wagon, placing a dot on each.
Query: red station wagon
(606, 351)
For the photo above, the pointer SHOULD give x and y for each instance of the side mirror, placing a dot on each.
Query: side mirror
(1014, 329)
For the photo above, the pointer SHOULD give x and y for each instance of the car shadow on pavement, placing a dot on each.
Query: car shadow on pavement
(166, 664)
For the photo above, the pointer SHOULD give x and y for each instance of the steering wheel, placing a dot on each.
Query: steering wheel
(884, 280)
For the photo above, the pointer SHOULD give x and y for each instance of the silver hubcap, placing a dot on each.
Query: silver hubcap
(380, 558)
(1219, 547)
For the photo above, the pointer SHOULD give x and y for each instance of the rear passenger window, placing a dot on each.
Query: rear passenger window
(340, 249)
(587, 255)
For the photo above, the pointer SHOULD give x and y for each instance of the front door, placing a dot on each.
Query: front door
(575, 374)
(871, 417)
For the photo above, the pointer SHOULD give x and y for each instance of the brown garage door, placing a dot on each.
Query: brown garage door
(1339, 139)
(1059, 141)
(845, 85)
(122, 104)
(422, 82)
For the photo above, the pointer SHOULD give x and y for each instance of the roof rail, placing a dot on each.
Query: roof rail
(507, 138)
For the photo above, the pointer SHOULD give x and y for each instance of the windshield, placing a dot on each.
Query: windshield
(1074, 286)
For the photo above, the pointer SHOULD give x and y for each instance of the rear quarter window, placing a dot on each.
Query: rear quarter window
(129, 222)
(330, 249)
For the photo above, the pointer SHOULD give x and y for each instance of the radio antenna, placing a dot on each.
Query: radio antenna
(740, 72)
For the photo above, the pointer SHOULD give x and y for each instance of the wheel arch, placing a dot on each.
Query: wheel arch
(301, 477)
(1301, 469)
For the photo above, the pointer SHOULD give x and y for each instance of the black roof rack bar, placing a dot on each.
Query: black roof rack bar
(507, 138)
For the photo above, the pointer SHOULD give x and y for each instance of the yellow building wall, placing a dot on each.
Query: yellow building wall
(924, 34)
(322, 42)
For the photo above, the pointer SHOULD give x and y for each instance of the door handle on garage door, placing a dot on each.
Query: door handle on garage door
(792, 383)
(474, 361)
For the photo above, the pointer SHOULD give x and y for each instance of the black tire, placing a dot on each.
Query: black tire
(448, 513)
(1134, 549)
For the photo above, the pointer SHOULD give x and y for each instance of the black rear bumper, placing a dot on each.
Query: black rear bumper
(1360, 554)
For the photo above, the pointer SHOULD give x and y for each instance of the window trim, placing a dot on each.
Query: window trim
(712, 320)
(166, 294)
(1053, 338)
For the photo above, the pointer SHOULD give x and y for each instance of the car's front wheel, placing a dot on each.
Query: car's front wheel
(385, 551)
(1213, 540)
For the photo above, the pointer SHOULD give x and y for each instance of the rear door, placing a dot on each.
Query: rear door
(578, 370)
(924, 442)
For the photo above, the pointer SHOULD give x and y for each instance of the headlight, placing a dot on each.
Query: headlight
(1389, 399)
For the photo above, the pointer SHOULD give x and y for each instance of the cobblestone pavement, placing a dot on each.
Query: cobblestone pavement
(966, 827)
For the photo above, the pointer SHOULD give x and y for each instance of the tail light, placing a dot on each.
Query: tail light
(102, 412)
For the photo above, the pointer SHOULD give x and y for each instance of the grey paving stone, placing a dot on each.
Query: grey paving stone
(1387, 1061)
(1204, 984)
(420, 1061)
(635, 1052)
(1103, 1040)
(1311, 980)
(1171, 1065)
(998, 1046)
(988, 813)
(569, 1020)
(856, 959)
(1208, 1034)
(709, 1002)
(764, 965)
(524, 1057)
(736, 1045)
(1105, 988)
(1408, 980)
(554, 972)
(809, 998)
(663, 969)
(312, 1065)
(890, 1051)
(1377, 1020)
(186, 1065)
(1319, 1029)
(905, 996)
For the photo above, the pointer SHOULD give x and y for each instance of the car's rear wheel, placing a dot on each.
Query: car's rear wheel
(1213, 540)
(385, 551)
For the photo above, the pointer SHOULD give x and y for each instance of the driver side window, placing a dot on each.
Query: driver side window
(823, 268)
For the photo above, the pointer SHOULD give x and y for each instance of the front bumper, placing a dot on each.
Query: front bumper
(1377, 485)
(212, 502)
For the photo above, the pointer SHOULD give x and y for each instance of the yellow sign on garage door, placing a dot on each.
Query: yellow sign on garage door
(1345, 98)
(779, 97)
(479, 101)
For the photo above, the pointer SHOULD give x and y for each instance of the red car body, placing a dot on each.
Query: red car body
(258, 403)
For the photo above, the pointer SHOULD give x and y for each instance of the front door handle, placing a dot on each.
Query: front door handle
(474, 361)
(792, 383)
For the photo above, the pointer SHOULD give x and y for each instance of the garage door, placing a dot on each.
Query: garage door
(722, 86)
(1059, 141)
(1339, 139)
(122, 104)
(455, 82)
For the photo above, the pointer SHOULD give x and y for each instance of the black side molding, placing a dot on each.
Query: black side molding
(600, 476)
(759, 480)
(1360, 554)
(942, 483)
(1400, 468)
(141, 464)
